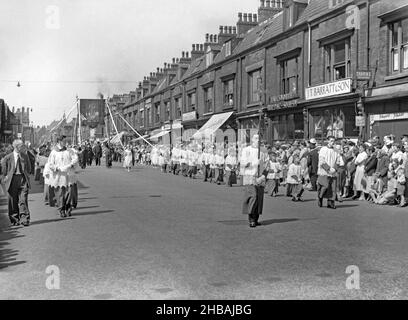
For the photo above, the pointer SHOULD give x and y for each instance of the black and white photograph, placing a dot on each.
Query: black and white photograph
(217, 150)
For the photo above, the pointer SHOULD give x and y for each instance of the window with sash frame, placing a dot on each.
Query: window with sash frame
(399, 46)
(337, 60)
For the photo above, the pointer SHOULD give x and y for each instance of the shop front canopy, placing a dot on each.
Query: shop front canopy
(212, 125)
(158, 135)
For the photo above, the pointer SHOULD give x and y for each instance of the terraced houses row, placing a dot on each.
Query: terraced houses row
(296, 69)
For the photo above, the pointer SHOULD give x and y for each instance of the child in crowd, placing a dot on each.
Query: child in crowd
(388, 197)
(375, 189)
(275, 169)
(294, 179)
(401, 182)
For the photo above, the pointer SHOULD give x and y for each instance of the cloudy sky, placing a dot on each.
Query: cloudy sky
(60, 48)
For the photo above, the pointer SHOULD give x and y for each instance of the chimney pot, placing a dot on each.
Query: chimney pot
(165, 66)
(187, 55)
(177, 60)
(207, 36)
(215, 38)
(268, 3)
(193, 47)
(201, 47)
(174, 60)
(250, 17)
(221, 29)
(240, 16)
(230, 30)
(255, 17)
(211, 39)
(158, 70)
(225, 29)
(183, 54)
(245, 17)
(262, 3)
(234, 30)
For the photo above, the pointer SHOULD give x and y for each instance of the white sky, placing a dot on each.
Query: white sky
(98, 40)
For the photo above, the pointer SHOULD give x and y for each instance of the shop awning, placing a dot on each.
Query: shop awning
(158, 135)
(212, 125)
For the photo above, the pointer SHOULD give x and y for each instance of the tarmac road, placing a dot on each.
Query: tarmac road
(148, 235)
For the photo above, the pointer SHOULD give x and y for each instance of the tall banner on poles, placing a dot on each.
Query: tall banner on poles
(92, 112)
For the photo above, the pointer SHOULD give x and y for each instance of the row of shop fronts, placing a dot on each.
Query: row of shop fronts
(375, 112)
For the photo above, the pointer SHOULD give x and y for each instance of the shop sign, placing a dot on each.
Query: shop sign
(190, 116)
(8, 132)
(388, 117)
(329, 89)
(283, 101)
(360, 121)
(363, 75)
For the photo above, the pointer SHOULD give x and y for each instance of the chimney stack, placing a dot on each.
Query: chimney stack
(244, 25)
(269, 8)
(226, 33)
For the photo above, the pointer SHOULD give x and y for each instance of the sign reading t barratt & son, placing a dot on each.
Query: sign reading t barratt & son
(329, 89)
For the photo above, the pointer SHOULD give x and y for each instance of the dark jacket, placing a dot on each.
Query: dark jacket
(383, 163)
(313, 161)
(371, 165)
(8, 167)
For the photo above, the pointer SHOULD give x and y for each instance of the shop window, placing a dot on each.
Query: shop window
(399, 46)
(288, 127)
(191, 99)
(289, 76)
(208, 99)
(337, 122)
(229, 93)
(337, 60)
(255, 84)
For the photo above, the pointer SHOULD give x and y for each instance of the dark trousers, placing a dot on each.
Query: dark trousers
(18, 200)
(73, 195)
(176, 169)
(327, 188)
(63, 198)
(207, 172)
(253, 202)
(313, 181)
(97, 161)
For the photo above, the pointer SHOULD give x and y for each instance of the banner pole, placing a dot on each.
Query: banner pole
(114, 124)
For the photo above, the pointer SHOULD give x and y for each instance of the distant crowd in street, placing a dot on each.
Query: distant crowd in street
(375, 170)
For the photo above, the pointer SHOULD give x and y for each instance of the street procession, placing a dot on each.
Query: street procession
(270, 161)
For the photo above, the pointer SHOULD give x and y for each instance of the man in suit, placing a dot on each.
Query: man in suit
(16, 168)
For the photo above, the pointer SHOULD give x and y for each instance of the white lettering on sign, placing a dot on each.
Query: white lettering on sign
(329, 89)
